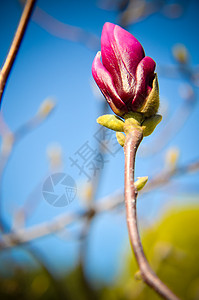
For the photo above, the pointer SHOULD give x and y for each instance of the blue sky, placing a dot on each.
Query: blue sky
(47, 66)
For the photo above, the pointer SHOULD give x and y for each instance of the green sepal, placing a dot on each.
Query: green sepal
(152, 102)
(133, 121)
(150, 124)
(137, 117)
(140, 183)
(112, 122)
(120, 138)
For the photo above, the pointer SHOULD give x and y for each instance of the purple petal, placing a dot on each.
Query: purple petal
(106, 85)
(144, 79)
(129, 48)
(121, 53)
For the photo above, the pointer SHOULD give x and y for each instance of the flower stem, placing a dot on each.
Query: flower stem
(132, 142)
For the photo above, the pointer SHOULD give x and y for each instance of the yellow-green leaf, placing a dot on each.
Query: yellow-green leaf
(112, 122)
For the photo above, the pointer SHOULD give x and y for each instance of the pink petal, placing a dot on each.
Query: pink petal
(129, 48)
(121, 53)
(106, 85)
(144, 79)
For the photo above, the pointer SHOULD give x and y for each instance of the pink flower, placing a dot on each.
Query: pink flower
(125, 75)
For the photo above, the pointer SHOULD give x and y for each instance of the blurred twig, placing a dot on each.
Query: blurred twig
(108, 203)
(4, 129)
(25, 235)
(11, 139)
(165, 176)
(22, 214)
(191, 74)
(138, 10)
(5, 71)
(182, 69)
(95, 183)
(65, 31)
(171, 129)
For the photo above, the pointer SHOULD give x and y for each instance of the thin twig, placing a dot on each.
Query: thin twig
(5, 71)
(44, 229)
(171, 129)
(133, 140)
(85, 231)
(163, 178)
(108, 203)
(64, 31)
(5, 154)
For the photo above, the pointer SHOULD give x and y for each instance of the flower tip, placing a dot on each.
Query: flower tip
(98, 55)
(108, 26)
(107, 33)
(95, 64)
(96, 61)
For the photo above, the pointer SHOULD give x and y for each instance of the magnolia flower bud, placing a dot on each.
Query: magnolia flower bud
(125, 76)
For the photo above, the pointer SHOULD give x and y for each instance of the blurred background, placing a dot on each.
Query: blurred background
(62, 216)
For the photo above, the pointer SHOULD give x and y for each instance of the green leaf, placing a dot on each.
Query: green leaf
(120, 138)
(150, 124)
(152, 102)
(112, 122)
(140, 183)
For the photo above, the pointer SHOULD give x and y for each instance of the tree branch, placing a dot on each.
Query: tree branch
(107, 203)
(65, 31)
(5, 71)
(133, 140)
